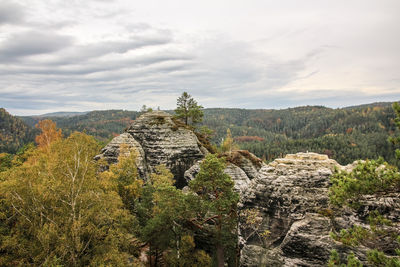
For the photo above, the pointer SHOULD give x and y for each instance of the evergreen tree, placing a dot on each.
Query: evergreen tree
(188, 109)
(164, 211)
(396, 140)
(218, 202)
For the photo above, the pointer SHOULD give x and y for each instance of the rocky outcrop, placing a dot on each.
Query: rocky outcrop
(158, 140)
(165, 142)
(283, 193)
(127, 144)
(242, 166)
(237, 174)
(291, 198)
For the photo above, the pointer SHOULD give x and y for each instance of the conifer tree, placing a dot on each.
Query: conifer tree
(218, 203)
(188, 110)
(396, 140)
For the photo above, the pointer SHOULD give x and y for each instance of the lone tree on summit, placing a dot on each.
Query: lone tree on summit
(188, 109)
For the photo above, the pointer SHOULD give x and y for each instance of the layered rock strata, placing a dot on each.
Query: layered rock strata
(157, 139)
(125, 144)
(241, 166)
(291, 198)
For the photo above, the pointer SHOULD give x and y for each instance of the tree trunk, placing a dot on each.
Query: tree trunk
(220, 255)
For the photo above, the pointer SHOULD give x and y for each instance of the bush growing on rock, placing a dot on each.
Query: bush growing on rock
(368, 177)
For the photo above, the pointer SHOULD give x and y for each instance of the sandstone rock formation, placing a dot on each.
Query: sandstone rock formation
(291, 196)
(242, 166)
(158, 140)
(125, 141)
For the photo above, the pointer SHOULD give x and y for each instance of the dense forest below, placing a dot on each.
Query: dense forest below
(344, 134)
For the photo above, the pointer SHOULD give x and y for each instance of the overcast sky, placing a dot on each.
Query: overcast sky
(90, 55)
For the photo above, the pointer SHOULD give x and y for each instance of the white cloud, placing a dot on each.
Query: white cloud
(84, 55)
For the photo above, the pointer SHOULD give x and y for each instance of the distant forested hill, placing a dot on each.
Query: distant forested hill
(103, 125)
(13, 132)
(345, 134)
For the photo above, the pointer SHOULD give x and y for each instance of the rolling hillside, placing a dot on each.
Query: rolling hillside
(14, 132)
(345, 134)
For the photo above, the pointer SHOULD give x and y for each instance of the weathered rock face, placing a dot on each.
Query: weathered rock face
(158, 140)
(127, 143)
(237, 174)
(291, 197)
(284, 192)
(244, 168)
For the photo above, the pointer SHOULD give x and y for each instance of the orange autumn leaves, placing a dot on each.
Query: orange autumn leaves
(49, 134)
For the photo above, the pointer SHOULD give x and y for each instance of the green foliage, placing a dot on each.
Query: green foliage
(56, 210)
(206, 132)
(334, 260)
(376, 221)
(163, 212)
(251, 220)
(188, 110)
(14, 133)
(396, 140)
(218, 204)
(169, 217)
(125, 175)
(368, 177)
(102, 125)
(5, 161)
(352, 236)
(378, 258)
(188, 256)
(145, 109)
(345, 135)
(228, 143)
(352, 261)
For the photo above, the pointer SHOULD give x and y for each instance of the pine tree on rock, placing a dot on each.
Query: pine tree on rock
(188, 110)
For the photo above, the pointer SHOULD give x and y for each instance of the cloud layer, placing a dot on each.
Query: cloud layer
(75, 56)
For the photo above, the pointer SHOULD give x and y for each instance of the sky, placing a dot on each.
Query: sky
(76, 55)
